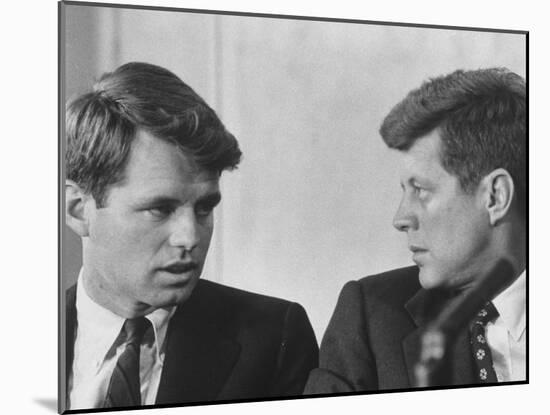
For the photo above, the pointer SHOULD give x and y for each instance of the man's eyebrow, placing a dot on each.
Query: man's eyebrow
(212, 198)
(158, 200)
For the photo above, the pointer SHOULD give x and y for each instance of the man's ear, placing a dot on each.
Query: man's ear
(75, 208)
(500, 191)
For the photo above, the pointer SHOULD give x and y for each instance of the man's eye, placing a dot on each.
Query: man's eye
(420, 191)
(160, 212)
(204, 211)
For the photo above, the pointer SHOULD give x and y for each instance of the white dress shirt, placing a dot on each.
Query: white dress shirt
(98, 346)
(506, 335)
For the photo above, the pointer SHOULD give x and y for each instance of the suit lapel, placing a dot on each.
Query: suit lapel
(411, 344)
(198, 359)
(463, 363)
(422, 307)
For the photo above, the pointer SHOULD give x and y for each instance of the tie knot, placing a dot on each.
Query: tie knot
(135, 328)
(486, 314)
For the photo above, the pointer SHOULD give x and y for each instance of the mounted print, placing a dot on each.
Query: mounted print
(265, 207)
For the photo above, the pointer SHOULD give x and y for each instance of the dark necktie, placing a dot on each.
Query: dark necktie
(124, 387)
(480, 348)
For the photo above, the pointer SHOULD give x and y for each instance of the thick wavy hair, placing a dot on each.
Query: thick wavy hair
(102, 124)
(481, 118)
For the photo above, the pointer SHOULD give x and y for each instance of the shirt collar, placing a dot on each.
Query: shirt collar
(510, 305)
(160, 319)
(100, 327)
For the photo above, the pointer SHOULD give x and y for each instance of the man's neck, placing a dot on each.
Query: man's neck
(105, 298)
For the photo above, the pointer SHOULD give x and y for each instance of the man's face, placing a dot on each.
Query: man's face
(146, 247)
(448, 230)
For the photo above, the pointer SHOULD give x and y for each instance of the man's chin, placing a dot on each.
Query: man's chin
(432, 278)
(171, 297)
(429, 279)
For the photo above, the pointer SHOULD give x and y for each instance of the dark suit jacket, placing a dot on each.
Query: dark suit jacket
(372, 340)
(228, 344)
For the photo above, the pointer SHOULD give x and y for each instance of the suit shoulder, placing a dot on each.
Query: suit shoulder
(396, 285)
(224, 296)
(233, 311)
(406, 275)
(70, 293)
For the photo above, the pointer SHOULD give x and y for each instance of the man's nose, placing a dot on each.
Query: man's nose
(185, 231)
(405, 219)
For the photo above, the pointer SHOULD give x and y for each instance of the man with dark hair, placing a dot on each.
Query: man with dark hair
(144, 158)
(461, 140)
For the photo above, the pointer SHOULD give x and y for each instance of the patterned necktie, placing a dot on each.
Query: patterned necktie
(124, 387)
(480, 348)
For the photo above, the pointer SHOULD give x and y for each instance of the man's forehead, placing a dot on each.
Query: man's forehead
(425, 147)
(155, 157)
(422, 158)
(159, 169)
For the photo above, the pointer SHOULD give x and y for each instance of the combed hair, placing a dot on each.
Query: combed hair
(481, 118)
(102, 124)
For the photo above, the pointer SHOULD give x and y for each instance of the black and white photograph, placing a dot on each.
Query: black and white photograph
(268, 209)
(259, 207)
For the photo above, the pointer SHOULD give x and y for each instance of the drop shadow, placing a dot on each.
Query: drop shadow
(47, 403)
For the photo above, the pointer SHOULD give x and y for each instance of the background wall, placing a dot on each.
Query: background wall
(311, 205)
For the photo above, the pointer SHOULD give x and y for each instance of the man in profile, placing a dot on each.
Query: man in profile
(144, 158)
(461, 142)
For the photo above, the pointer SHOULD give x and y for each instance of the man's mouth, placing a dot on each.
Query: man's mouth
(417, 253)
(416, 249)
(180, 267)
